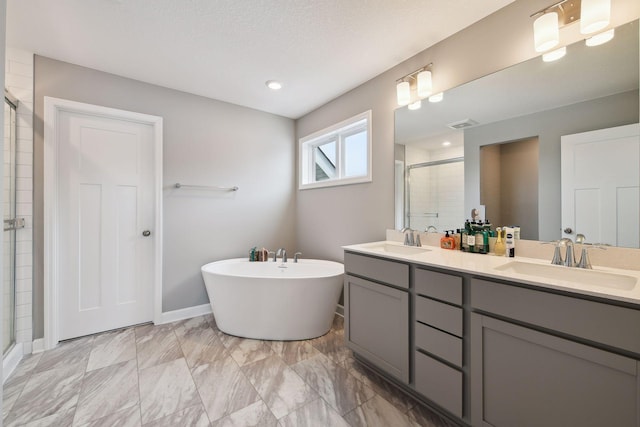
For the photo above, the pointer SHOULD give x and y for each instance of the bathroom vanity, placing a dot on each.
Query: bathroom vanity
(491, 342)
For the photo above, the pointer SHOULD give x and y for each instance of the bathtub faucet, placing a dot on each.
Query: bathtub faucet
(281, 252)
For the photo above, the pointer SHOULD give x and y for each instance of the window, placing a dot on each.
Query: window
(337, 155)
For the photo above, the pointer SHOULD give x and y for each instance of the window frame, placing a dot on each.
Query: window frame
(338, 132)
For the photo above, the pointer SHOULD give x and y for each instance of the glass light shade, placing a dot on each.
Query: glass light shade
(601, 38)
(425, 84)
(554, 55)
(594, 15)
(437, 97)
(545, 32)
(415, 105)
(403, 91)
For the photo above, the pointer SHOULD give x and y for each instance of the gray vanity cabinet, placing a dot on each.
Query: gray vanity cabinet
(438, 336)
(536, 360)
(377, 312)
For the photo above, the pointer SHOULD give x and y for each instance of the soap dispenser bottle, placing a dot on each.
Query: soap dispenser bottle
(447, 242)
(500, 248)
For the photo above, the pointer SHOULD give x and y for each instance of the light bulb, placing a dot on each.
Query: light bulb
(415, 105)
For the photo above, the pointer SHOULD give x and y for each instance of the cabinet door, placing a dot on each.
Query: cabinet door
(377, 324)
(521, 377)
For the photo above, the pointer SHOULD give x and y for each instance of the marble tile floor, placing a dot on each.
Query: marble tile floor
(189, 373)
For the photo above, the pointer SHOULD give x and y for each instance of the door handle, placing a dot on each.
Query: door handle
(568, 230)
(146, 233)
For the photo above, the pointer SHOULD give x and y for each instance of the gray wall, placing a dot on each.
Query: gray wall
(548, 126)
(205, 142)
(330, 217)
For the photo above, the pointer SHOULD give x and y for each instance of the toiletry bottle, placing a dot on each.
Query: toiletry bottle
(510, 243)
(464, 237)
(480, 235)
(447, 242)
(471, 240)
(499, 249)
(456, 239)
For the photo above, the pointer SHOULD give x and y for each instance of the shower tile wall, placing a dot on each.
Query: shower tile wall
(7, 299)
(19, 81)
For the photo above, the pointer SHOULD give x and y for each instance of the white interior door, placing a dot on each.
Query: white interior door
(601, 185)
(106, 206)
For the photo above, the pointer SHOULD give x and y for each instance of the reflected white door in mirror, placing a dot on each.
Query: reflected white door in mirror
(601, 185)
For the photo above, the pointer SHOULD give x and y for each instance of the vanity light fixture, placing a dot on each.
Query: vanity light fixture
(419, 81)
(273, 84)
(594, 15)
(436, 97)
(554, 55)
(600, 38)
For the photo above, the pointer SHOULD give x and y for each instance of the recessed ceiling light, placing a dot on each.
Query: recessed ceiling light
(273, 84)
(446, 144)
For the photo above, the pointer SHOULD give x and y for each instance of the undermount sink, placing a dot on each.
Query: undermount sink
(397, 249)
(569, 274)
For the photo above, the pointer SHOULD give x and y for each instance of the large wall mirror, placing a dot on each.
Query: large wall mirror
(494, 144)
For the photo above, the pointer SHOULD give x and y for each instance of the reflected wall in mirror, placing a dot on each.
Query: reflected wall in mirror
(590, 88)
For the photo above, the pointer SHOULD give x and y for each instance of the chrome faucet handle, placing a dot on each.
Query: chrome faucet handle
(585, 262)
(295, 256)
(557, 255)
(274, 255)
(580, 238)
(417, 240)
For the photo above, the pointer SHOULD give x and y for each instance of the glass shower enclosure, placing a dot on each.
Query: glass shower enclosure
(11, 224)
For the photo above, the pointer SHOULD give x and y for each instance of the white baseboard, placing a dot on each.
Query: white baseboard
(38, 346)
(185, 313)
(11, 360)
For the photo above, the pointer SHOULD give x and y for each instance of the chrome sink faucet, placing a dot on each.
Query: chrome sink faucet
(408, 236)
(569, 255)
(411, 237)
(281, 252)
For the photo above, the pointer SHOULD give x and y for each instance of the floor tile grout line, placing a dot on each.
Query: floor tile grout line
(195, 384)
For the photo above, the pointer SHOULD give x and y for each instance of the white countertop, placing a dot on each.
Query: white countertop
(490, 266)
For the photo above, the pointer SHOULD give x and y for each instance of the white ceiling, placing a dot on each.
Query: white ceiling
(227, 49)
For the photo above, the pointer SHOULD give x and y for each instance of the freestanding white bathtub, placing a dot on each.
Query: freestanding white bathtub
(274, 300)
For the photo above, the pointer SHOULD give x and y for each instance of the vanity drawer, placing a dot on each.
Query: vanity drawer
(439, 315)
(591, 320)
(438, 343)
(380, 270)
(439, 383)
(440, 286)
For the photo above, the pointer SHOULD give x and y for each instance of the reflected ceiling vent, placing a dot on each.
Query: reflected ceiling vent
(462, 124)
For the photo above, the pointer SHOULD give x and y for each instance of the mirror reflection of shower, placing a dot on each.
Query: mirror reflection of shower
(434, 195)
